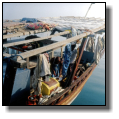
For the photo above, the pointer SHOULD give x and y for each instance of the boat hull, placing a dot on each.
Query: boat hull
(70, 98)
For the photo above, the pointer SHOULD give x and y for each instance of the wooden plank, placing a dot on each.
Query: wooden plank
(55, 45)
(6, 55)
(61, 51)
(52, 55)
(9, 31)
(4, 31)
(23, 32)
(32, 64)
(12, 35)
(36, 39)
(14, 27)
(27, 62)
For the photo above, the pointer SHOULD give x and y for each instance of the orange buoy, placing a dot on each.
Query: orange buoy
(24, 47)
(32, 100)
(75, 77)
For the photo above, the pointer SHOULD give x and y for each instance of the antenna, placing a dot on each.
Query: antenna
(89, 9)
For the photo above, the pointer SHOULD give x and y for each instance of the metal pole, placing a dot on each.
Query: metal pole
(89, 9)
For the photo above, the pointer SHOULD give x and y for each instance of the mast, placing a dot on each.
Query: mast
(89, 9)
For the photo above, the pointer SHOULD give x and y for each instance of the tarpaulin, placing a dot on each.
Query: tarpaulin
(40, 25)
(35, 26)
(31, 20)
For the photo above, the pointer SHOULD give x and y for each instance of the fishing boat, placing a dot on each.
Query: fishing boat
(37, 75)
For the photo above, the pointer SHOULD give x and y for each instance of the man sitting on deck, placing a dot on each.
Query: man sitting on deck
(56, 66)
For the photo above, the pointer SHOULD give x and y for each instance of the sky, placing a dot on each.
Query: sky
(37, 10)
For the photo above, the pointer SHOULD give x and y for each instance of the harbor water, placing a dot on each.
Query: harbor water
(93, 92)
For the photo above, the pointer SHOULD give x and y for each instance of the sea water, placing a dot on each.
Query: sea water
(93, 92)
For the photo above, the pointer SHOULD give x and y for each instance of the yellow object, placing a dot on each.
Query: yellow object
(68, 30)
(64, 80)
(48, 87)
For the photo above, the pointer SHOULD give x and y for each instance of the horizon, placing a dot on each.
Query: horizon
(36, 10)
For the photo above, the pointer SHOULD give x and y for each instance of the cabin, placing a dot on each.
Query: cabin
(42, 70)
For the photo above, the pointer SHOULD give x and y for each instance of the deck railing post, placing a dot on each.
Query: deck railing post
(62, 51)
(52, 54)
(27, 62)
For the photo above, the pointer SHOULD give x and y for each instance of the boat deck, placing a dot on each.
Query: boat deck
(86, 25)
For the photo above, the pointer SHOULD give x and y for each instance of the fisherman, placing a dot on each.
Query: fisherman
(56, 66)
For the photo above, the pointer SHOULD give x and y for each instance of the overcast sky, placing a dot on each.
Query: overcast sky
(37, 10)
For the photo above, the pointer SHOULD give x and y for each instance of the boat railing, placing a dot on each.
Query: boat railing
(25, 55)
(37, 51)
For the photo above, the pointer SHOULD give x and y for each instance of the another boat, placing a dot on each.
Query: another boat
(87, 40)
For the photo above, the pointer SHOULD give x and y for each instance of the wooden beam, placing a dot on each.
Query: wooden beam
(12, 35)
(61, 51)
(23, 33)
(6, 55)
(52, 54)
(27, 62)
(33, 40)
(14, 27)
(55, 45)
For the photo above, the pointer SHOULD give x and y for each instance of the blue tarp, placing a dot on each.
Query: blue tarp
(31, 20)
(66, 57)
